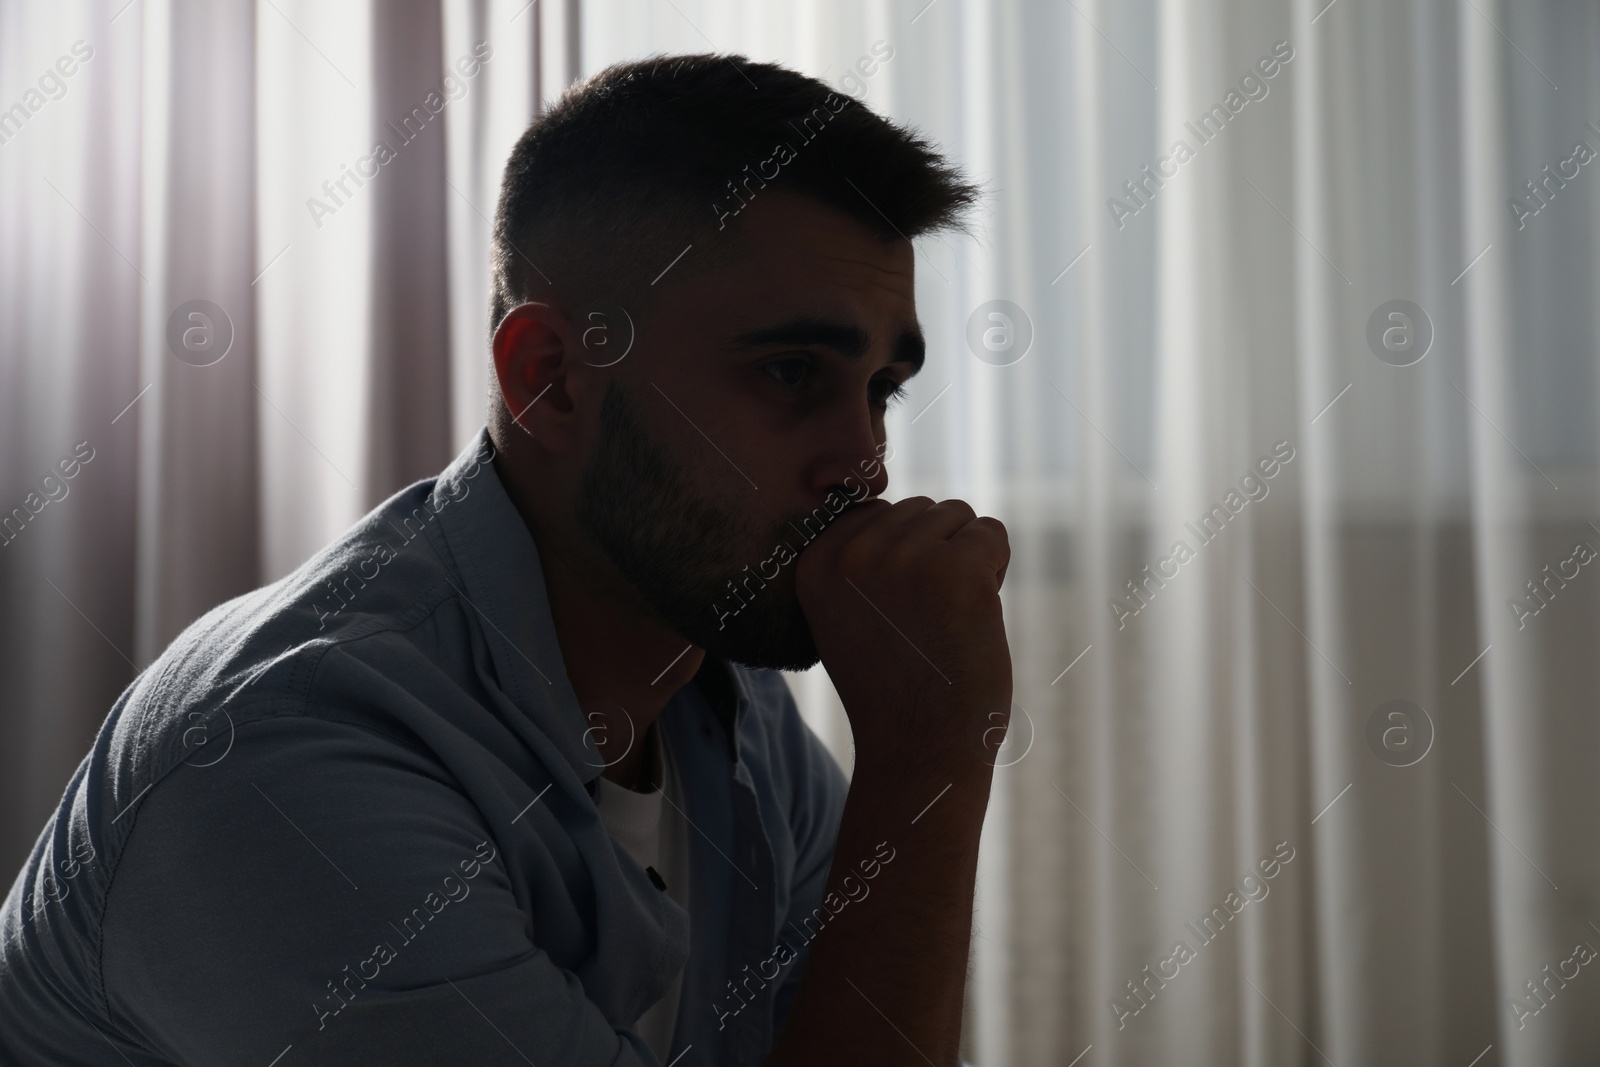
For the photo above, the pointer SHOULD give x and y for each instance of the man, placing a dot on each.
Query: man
(505, 774)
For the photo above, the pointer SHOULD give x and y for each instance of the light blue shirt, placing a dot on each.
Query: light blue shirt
(349, 818)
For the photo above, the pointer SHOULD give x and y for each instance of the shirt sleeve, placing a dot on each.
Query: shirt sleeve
(327, 895)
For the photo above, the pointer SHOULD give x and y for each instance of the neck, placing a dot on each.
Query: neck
(624, 663)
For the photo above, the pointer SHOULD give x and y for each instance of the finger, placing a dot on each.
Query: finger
(896, 523)
(839, 532)
(987, 539)
(929, 529)
(941, 521)
(879, 524)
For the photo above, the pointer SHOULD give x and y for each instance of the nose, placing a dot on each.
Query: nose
(851, 460)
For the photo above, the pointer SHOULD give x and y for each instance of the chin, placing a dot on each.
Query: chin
(786, 661)
(778, 640)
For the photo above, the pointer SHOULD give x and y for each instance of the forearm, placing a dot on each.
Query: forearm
(886, 974)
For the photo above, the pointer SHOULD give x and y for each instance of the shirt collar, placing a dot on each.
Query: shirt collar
(502, 582)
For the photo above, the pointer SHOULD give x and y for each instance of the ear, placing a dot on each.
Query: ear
(534, 364)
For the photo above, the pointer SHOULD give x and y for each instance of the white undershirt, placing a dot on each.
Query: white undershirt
(655, 835)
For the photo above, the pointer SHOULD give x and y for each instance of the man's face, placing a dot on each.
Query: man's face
(748, 415)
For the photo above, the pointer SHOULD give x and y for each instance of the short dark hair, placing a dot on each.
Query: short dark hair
(646, 157)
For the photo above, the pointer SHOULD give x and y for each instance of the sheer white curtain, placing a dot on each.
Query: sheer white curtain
(1240, 710)
(1188, 327)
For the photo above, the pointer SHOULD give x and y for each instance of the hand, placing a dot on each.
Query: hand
(903, 601)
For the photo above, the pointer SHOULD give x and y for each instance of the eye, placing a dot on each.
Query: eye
(791, 372)
(886, 392)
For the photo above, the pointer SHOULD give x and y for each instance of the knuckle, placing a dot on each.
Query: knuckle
(990, 524)
(960, 507)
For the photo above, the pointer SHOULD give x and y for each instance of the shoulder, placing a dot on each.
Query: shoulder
(331, 640)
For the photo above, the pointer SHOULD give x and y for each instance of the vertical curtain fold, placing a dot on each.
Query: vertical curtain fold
(1524, 924)
(198, 507)
(408, 382)
(70, 291)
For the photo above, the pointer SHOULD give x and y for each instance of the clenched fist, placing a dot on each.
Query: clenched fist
(903, 601)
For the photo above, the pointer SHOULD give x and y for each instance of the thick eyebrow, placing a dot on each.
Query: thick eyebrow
(849, 341)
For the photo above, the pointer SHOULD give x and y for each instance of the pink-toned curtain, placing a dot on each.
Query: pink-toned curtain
(197, 161)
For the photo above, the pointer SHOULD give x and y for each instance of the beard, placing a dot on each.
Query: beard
(685, 553)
